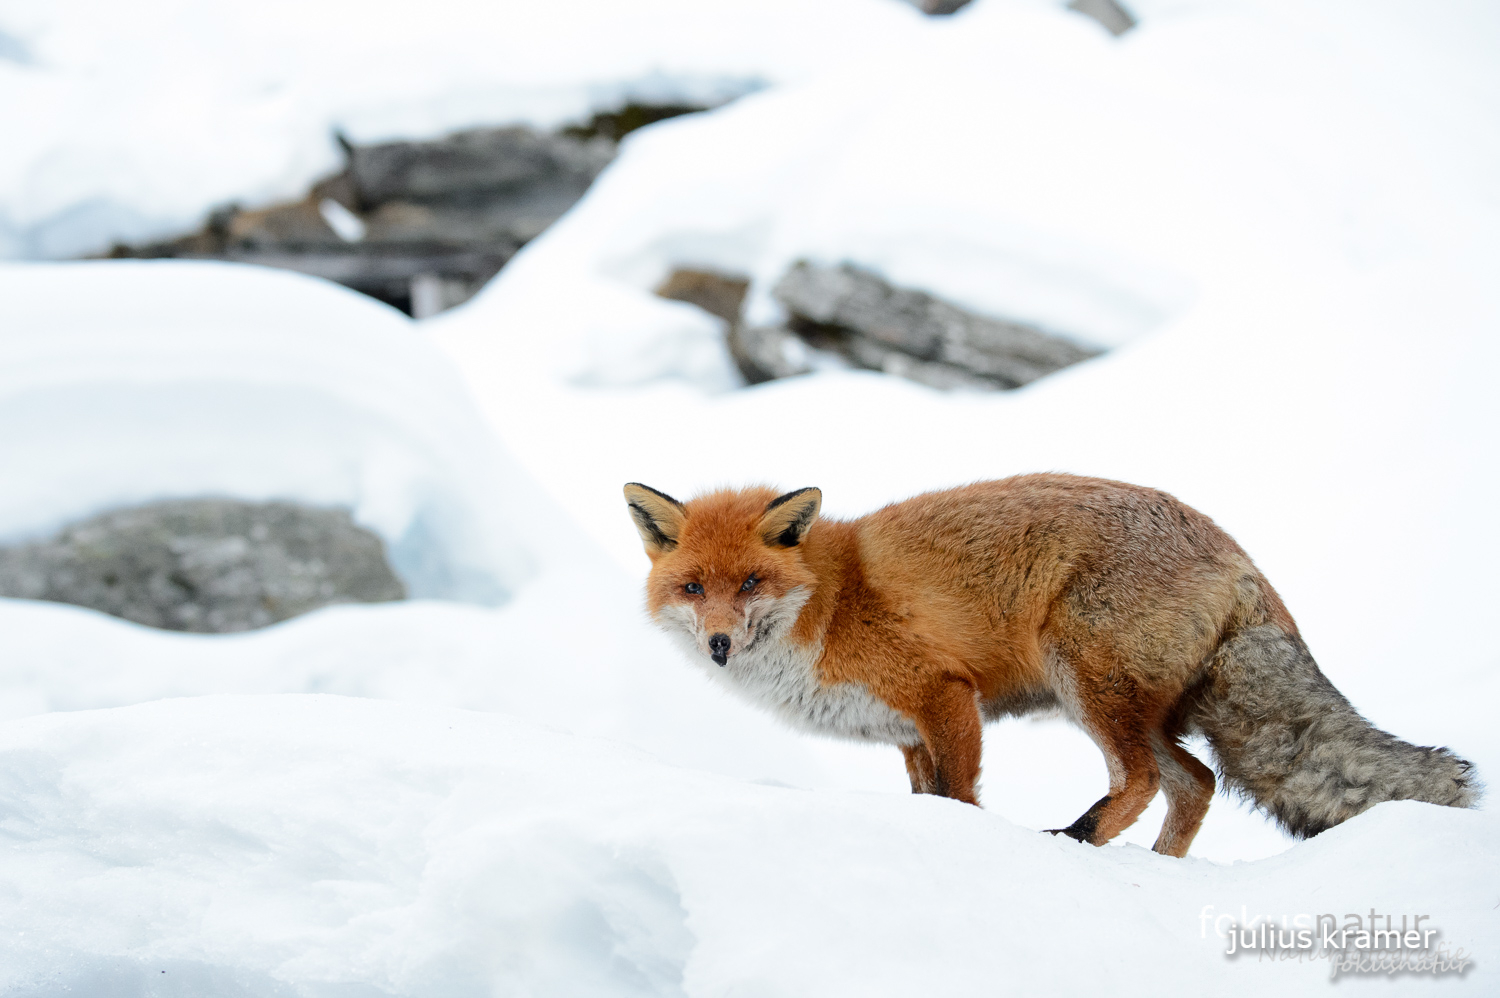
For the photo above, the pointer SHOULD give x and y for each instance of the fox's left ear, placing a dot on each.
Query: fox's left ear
(788, 517)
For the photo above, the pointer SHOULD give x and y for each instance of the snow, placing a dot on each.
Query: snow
(1291, 261)
(1321, 384)
(234, 845)
(127, 382)
(1280, 217)
(127, 122)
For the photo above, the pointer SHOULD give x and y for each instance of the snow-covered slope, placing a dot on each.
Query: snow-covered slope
(1281, 214)
(322, 846)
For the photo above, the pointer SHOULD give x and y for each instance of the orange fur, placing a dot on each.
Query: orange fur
(926, 618)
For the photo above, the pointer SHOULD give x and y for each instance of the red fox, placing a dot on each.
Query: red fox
(1130, 612)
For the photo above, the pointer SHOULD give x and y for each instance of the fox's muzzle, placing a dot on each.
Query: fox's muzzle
(718, 646)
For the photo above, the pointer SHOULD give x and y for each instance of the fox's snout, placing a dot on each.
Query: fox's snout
(718, 647)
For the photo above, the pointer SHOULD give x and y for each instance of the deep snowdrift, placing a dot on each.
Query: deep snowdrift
(321, 846)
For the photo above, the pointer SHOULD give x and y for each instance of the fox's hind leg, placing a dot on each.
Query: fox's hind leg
(1120, 722)
(1133, 782)
(1189, 786)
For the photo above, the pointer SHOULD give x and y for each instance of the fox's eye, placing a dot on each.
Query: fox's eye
(749, 584)
(694, 588)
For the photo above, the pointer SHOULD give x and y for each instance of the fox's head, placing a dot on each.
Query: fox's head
(726, 568)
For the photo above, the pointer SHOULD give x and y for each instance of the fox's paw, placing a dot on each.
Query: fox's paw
(1072, 833)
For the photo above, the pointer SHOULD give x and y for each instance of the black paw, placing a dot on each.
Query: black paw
(1072, 833)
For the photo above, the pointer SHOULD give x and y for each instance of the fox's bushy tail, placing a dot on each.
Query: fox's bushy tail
(1288, 740)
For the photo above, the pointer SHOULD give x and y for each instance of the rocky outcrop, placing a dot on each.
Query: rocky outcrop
(940, 6)
(1115, 18)
(1109, 13)
(914, 334)
(421, 225)
(205, 565)
(761, 353)
(497, 186)
(858, 315)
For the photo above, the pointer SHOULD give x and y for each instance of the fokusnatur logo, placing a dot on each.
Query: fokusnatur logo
(1372, 943)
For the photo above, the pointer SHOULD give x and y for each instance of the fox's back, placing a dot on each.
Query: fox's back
(1057, 559)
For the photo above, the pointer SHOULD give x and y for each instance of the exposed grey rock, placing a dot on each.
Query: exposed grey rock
(764, 353)
(854, 310)
(877, 357)
(761, 353)
(1107, 12)
(425, 224)
(510, 180)
(1115, 18)
(870, 323)
(205, 565)
(940, 6)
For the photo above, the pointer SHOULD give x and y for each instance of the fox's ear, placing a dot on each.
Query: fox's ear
(657, 516)
(788, 517)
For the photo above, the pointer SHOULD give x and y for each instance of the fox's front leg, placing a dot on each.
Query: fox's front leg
(947, 718)
(919, 769)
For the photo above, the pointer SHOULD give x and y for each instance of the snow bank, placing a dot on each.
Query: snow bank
(124, 122)
(122, 383)
(571, 650)
(320, 846)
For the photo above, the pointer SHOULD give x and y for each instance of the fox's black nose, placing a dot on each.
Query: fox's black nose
(719, 646)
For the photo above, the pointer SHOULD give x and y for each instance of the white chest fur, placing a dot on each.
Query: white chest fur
(783, 677)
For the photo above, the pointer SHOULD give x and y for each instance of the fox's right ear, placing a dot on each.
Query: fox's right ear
(657, 516)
